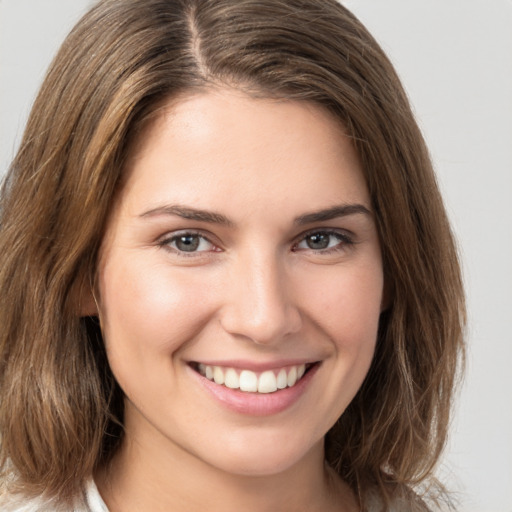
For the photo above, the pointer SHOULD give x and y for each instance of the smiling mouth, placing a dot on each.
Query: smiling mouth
(268, 381)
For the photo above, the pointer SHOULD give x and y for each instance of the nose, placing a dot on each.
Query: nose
(258, 303)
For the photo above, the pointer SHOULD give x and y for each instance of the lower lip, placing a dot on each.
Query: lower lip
(257, 404)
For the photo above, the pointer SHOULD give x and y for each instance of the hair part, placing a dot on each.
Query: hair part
(61, 410)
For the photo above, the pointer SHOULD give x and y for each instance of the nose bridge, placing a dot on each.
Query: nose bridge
(259, 305)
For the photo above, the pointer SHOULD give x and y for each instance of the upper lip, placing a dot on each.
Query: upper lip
(255, 366)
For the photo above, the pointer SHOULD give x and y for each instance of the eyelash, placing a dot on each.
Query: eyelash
(344, 240)
(167, 242)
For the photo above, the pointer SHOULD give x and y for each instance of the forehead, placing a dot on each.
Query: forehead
(223, 143)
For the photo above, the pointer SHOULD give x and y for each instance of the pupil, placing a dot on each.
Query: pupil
(318, 241)
(187, 243)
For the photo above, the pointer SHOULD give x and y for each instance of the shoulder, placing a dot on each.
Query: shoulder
(90, 501)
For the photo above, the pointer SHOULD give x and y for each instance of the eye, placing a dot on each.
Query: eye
(323, 241)
(186, 242)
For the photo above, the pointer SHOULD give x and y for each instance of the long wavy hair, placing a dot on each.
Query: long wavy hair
(61, 411)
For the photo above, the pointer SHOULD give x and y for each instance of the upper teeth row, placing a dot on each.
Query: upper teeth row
(247, 380)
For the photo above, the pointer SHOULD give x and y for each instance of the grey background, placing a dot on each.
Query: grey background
(455, 58)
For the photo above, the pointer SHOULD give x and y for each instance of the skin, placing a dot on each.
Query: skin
(254, 290)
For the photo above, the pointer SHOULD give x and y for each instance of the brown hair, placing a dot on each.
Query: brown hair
(61, 409)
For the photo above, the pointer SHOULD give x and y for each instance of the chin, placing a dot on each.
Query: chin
(264, 457)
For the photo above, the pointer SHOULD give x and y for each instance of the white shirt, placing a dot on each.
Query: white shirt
(91, 501)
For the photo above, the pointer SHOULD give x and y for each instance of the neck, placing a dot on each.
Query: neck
(143, 476)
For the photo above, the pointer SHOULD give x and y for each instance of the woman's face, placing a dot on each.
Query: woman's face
(240, 282)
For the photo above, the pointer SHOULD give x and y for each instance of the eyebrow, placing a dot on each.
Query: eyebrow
(200, 215)
(334, 212)
(186, 212)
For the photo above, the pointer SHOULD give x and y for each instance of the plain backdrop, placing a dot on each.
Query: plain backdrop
(455, 59)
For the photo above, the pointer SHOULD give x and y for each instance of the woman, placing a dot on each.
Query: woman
(227, 277)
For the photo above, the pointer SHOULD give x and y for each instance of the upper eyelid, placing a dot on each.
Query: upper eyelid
(170, 235)
(328, 230)
(169, 238)
(211, 238)
(346, 241)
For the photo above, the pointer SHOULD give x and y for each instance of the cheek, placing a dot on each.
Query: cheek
(347, 305)
(344, 309)
(147, 310)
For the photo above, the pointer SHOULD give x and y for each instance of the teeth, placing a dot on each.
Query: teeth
(231, 380)
(248, 381)
(282, 379)
(218, 375)
(292, 376)
(267, 382)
